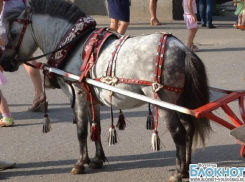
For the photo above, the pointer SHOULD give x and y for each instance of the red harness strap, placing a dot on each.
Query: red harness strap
(158, 73)
(142, 82)
(25, 23)
(111, 79)
(158, 70)
(91, 50)
(111, 68)
(89, 56)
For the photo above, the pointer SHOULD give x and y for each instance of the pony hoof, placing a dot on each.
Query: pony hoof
(185, 175)
(96, 164)
(77, 170)
(175, 178)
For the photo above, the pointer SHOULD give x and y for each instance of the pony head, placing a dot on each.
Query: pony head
(22, 38)
(21, 43)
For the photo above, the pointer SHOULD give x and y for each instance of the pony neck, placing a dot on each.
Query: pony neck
(49, 31)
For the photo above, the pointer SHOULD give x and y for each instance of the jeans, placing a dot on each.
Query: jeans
(206, 11)
(198, 13)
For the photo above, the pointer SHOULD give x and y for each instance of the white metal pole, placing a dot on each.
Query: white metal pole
(122, 91)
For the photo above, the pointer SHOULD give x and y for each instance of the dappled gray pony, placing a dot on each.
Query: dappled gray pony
(46, 23)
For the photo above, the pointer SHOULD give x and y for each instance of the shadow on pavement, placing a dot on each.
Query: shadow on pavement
(225, 155)
(223, 49)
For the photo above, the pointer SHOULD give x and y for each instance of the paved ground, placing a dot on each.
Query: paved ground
(49, 157)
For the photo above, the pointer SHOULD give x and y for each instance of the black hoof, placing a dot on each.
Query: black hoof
(175, 178)
(77, 169)
(185, 175)
(96, 164)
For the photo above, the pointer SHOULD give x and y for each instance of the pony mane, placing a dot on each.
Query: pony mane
(56, 8)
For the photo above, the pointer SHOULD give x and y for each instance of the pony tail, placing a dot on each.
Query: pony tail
(196, 94)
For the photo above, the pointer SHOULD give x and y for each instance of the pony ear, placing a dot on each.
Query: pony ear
(27, 12)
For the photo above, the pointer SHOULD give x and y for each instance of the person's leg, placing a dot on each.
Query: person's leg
(7, 120)
(198, 13)
(153, 12)
(153, 9)
(243, 15)
(191, 36)
(37, 83)
(209, 14)
(239, 20)
(3, 104)
(202, 11)
(240, 25)
(123, 27)
(114, 24)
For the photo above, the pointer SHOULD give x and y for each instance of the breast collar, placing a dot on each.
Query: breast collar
(81, 25)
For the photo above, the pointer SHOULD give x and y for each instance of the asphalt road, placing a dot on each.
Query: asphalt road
(50, 157)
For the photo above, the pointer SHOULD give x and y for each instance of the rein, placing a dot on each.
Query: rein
(56, 50)
(28, 21)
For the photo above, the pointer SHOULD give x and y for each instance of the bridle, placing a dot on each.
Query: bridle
(16, 48)
(27, 22)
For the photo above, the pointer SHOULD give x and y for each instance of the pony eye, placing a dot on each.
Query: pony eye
(13, 33)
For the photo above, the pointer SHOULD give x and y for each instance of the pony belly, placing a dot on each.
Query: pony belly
(118, 101)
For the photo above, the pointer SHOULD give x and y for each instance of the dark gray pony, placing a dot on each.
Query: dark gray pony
(51, 19)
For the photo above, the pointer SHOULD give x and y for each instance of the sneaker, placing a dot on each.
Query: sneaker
(194, 48)
(203, 25)
(211, 26)
(6, 121)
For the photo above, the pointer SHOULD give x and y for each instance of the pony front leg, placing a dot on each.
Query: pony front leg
(81, 114)
(99, 159)
(81, 117)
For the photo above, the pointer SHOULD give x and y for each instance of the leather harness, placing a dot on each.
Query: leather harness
(82, 24)
(90, 59)
(90, 53)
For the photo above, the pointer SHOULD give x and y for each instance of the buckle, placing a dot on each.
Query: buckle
(156, 86)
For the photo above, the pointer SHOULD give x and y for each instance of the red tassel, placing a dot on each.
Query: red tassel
(95, 133)
(121, 124)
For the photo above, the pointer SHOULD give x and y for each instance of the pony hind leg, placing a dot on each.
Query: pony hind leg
(99, 159)
(176, 129)
(178, 133)
(190, 130)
